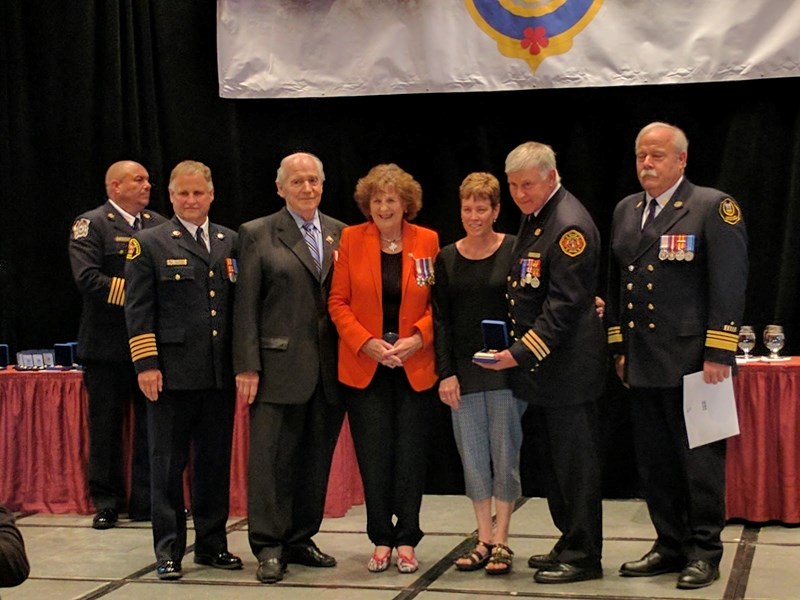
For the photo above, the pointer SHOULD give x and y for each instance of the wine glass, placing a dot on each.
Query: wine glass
(747, 340)
(773, 340)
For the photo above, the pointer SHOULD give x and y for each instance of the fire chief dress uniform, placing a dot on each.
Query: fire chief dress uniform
(179, 312)
(559, 347)
(675, 299)
(97, 246)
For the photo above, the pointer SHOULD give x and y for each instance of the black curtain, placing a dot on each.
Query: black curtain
(88, 83)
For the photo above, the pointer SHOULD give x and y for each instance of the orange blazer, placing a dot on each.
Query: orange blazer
(355, 303)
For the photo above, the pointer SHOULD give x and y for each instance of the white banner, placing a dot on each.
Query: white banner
(313, 48)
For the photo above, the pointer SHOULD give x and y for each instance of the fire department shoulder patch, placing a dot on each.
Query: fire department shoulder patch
(730, 211)
(572, 243)
(134, 249)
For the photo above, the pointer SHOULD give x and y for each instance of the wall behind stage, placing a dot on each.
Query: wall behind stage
(89, 83)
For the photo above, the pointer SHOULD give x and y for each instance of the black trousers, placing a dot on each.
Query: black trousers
(390, 423)
(684, 489)
(291, 448)
(199, 422)
(112, 387)
(567, 446)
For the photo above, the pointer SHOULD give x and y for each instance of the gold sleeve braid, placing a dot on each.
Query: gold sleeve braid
(116, 293)
(143, 346)
(536, 345)
(722, 340)
(614, 334)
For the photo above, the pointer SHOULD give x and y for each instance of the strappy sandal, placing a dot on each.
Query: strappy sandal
(407, 564)
(477, 559)
(500, 561)
(379, 563)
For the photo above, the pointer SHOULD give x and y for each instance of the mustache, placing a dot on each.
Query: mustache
(648, 173)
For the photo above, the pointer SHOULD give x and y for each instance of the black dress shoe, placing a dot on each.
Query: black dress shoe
(221, 560)
(697, 574)
(106, 518)
(270, 570)
(310, 556)
(566, 573)
(652, 563)
(168, 569)
(542, 561)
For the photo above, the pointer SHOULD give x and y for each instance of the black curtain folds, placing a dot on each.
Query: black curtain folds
(85, 84)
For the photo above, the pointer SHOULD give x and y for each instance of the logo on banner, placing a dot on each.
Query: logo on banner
(532, 29)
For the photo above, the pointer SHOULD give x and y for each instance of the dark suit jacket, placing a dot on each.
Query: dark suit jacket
(14, 567)
(281, 323)
(668, 316)
(558, 339)
(179, 303)
(356, 304)
(97, 246)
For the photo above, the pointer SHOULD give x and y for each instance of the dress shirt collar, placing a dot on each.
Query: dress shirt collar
(192, 228)
(129, 218)
(301, 221)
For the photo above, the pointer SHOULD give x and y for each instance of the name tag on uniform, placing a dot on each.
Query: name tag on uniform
(177, 262)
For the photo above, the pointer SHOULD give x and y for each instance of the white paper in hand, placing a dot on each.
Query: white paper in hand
(709, 410)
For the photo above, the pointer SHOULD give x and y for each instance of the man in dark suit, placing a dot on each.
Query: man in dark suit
(97, 248)
(178, 309)
(285, 362)
(676, 294)
(559, 356)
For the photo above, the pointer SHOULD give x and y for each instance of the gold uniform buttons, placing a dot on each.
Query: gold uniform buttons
(652, 326)
(629, 287)
(630, 305)
(631, 325)
(512, 302)
(177, 276)
(211, 273)
(631, 268)
(212, 294)
(650, 286)
(650, 306)
(214, 332)
(651, 268)
(213, 312)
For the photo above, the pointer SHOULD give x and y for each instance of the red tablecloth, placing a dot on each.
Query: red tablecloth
(44, 448)
(763, 465)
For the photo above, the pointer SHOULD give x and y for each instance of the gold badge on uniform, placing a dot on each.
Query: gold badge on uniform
(730, 211)
(572, 243)
(134, 249)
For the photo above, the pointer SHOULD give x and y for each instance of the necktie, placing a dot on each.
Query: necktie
(137, 223)
(651, 213)
(310, 234)
(201, 238)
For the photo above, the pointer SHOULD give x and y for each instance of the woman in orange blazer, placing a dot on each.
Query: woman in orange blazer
(380, 302)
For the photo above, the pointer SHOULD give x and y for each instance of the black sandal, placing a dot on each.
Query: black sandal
(477, 560)
(501, 559)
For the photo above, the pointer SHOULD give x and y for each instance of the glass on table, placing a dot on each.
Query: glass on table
(747, 340)
(774, 340)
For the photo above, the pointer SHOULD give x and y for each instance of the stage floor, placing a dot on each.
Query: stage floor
(70, 560)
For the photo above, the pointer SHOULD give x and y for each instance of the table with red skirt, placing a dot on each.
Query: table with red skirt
(44, 449)
(763, 461)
